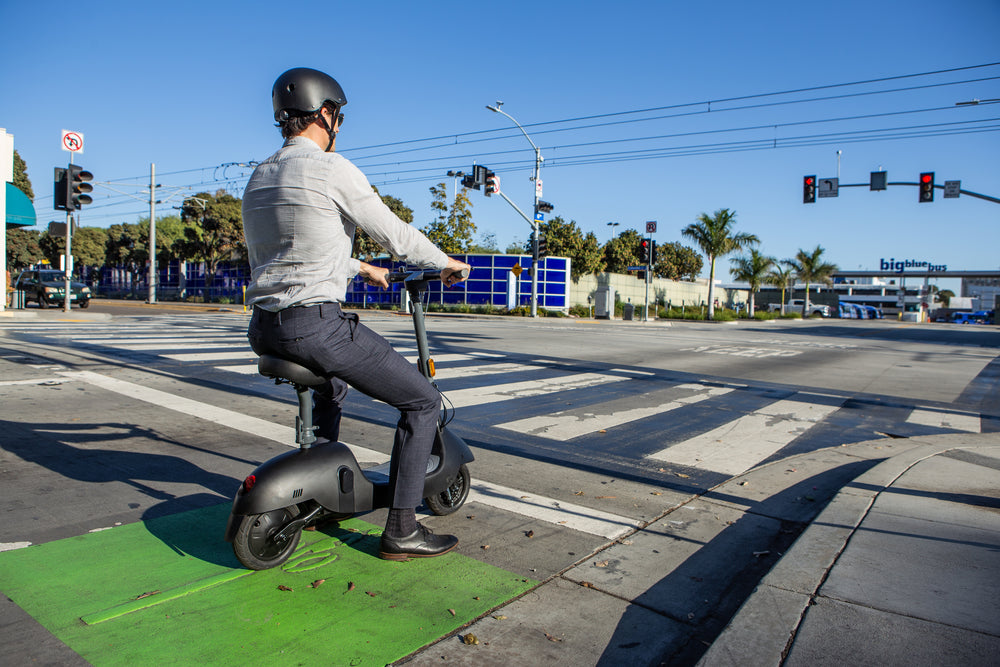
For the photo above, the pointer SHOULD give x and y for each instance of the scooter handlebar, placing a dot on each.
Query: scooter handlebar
(420, 275)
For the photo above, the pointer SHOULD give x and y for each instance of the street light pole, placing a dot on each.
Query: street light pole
(612, 225)
(534, 222)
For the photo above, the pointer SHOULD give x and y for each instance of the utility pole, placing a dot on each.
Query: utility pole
(152, 233)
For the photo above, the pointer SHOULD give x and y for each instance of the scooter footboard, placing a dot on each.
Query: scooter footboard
(326, 473)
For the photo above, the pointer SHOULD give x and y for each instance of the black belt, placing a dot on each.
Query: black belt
(323, 309)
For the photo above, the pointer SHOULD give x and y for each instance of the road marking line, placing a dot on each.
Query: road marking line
(34, 381)
(212, 356)
(505, 392)
(228, 418)
(971, 423)
(739, 445)
(549, 510)
(564, 426)
(577, 517)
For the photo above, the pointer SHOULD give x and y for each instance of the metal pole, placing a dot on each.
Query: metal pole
(649, 270)
(152, 233)
(68, 269)
(534, 258)
(534, 223)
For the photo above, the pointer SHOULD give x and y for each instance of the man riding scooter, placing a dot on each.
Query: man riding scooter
(300, 210)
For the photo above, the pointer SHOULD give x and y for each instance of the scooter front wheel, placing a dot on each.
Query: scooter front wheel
(257, 545)
(453, 497)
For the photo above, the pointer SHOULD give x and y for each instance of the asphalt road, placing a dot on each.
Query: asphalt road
(583, 431)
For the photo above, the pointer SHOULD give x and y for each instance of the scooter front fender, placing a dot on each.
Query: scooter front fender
(326, 473)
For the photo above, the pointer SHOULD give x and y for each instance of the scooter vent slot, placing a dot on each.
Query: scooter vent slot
(297, 493)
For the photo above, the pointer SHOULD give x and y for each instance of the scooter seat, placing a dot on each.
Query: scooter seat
(282, 369)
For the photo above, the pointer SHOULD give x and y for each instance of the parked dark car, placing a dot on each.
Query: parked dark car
(48, 288)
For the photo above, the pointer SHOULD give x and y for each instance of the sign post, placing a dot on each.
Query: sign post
(72, 142)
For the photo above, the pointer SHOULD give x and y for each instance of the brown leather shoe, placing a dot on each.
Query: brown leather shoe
(421, 543)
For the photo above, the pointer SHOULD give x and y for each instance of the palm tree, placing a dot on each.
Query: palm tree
(809, 268)
(753, 271)
(714, 235)
(781, 276)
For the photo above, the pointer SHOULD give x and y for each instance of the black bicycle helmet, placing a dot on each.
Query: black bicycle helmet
(302, 91)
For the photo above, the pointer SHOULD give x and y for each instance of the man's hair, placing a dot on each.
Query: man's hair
(297, 124)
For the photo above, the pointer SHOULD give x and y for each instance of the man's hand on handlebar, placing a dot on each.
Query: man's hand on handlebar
(374, 275)
(455, 272)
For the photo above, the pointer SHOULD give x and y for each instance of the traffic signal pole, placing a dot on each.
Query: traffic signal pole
(68, 269)
(534, 223)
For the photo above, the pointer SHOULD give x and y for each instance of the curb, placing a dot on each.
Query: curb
(766, 624)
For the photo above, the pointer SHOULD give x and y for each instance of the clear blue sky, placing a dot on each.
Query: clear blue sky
(186, 86)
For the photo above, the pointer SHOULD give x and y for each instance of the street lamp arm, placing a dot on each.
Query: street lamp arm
(504, 113)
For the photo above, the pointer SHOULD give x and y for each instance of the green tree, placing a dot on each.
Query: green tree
(781, 275)
(127, 246)
(21, 180)
(753, 270)
(515, 247)
(170, 231)
(677, 262)
(566, 239)
(943, 295)
(216, 233)
(23, 248)
(487, 245)
(453, 229)
(365, 247)
(622, 252)
(714, 235)
(810, 268)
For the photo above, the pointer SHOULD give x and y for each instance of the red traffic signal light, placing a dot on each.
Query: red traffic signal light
(926, 187)
(645, 251)
(808, 189)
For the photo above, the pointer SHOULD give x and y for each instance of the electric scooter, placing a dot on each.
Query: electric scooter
(323, 482)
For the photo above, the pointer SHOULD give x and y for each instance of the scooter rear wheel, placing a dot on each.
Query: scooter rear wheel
(453, 497)
(255, 545)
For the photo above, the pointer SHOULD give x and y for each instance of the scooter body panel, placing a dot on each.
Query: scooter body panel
(452, 452)
(326, 473)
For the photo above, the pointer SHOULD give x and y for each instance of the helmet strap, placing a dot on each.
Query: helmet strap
(329, 128)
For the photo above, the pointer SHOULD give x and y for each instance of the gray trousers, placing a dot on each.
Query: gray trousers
(334, 344)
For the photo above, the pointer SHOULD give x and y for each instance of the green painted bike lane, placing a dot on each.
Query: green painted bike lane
(169, 590)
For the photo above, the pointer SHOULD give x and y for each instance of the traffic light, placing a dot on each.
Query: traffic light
(926, 187)
(469, 181)
(61, 189)
(543, 246)
(652, 252)
(644, 251)
(808, 189)
(478, 177)
(544, 206)
(491, 183)
(78, 187)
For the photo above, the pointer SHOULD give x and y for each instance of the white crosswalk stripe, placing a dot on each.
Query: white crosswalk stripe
(739, 445)
(948, 419)
(566, 425)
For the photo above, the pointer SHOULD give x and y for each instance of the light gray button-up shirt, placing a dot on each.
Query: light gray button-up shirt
(300, 210)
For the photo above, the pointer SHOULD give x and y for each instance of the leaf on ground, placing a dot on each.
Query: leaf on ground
(451, 611)
(605, 497)
(350, 586)
(470, 639)
(552, 638)
(484, 547)
(500, 617)
(370, 594)
(601, 563)
(147, 594)
(586, 584)
(317, 583)
(529, 533)
(682, 475)
(282, 587)
(578, 493)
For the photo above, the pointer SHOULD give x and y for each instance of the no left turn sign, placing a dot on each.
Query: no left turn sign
(72, 141)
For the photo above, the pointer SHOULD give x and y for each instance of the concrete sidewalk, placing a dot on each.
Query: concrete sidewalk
(901, 567)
